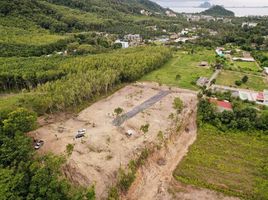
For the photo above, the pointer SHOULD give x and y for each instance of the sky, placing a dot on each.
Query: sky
(218, 2)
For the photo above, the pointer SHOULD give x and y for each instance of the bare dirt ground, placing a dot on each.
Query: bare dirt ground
(97, 157)
(155, 180)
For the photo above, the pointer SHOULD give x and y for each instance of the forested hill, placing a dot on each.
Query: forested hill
(218, 11)
(79, 15)
(126, 6)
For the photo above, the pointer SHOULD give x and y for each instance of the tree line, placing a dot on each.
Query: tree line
(89, 76)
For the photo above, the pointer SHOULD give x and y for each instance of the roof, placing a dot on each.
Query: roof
(260, 96)
(222, 104)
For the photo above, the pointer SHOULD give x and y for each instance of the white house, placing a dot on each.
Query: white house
(124, 44)
(266, 70)
(249, 24)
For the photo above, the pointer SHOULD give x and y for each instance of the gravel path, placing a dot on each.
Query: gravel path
(146, 104)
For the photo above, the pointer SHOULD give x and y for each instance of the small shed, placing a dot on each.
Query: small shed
(202, 81)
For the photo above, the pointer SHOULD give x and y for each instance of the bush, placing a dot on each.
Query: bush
(69, 149)
(178, 104)
(238, 83)
(20, 120)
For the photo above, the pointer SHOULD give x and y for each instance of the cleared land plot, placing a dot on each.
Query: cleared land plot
(229, 163)
(183, 70)
(13, 35)
(254, 82)
(245, 66)
(105, 148)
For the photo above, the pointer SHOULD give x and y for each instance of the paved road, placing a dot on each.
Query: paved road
(148, 103)
(232, 89)
(214, 76)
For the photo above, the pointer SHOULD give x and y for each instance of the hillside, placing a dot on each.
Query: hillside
(218, 11)
(38, 27)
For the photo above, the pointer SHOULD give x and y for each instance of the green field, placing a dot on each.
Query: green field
(228, 78)
(247, 66)
(230, 163)
(184, 65)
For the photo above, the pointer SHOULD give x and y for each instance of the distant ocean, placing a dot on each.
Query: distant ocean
(239, 12)
(192, 7)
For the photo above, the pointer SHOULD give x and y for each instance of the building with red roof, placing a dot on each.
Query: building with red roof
(222, 105)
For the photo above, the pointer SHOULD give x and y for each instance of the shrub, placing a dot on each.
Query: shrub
(178, 104)
(238, 83)
(118, 111)
(69, 149)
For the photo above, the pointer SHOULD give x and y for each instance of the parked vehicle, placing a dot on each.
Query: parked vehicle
(38, 144)
(80, 133)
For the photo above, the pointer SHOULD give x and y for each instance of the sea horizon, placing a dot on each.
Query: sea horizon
(193, 7)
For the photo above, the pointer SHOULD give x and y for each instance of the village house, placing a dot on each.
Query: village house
(221, 105)
(249, 24)
(133, 39)
(266, 70)
(145, 12)
(202, 81)
(170, 14)
(123, 43)
(219, 51)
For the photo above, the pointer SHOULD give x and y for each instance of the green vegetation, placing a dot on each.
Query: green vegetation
(244, 66)
(240, 118)
(255, 82)
(218, 11)
(89, 76)
(186, 67)
(178, 105)
(118, 111)
(25, 175)
(145, 128)
(69, 149)
(229, 162)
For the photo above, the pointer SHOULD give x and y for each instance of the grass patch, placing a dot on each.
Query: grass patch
(254, 82)
(245, 66)
(184, 65)
(230, 163)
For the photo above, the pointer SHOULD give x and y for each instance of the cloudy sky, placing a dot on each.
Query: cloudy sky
(219, 2)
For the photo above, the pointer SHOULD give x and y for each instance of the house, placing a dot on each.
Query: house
(249, 24)
(133, 39)
(145, 12)
(208, 18)
(219, 51)
(182, 39)
(202, 81)
(192, 18)
(265, 94)
(124, 44)
(221, 105)
(174, 36)
(170, 14)
(184, 32)
(246, 95)
(266, 70)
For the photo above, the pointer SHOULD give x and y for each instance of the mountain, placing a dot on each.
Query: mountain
(218, 11)
(39, 27)
(205, 5)
(68, 15)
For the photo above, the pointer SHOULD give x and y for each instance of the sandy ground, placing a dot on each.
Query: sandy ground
(105, 148)
(97, 157)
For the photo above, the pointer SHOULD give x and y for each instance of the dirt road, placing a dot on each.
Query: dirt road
(153, 179)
